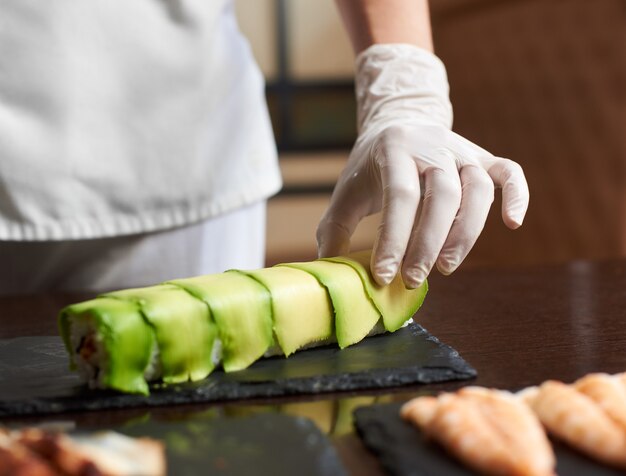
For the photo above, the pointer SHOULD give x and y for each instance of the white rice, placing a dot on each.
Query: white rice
(154, 369)
(94, 368)
(216, 352)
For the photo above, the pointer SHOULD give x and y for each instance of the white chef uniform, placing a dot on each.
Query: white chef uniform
(127, 117)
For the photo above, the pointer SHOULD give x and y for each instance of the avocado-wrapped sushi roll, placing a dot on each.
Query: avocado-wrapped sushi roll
(110, 344)
(184, 332)
(240, 308)
(183, 329)
(124, 339)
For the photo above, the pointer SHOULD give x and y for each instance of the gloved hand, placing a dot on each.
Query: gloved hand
(406, 149)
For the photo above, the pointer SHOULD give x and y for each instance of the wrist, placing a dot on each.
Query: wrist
(401, 83)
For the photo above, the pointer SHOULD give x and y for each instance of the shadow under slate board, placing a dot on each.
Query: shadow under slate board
(35, 379)
(404, 451)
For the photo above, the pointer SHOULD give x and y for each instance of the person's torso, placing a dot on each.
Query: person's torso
(122, 116)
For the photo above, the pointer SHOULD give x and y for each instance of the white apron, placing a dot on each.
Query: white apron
(232, 240)
(120, 117)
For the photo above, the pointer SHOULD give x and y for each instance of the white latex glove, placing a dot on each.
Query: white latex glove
(433, 186)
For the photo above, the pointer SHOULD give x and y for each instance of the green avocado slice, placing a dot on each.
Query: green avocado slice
(355, 314)
(301, 307)
(127, 339)
(242, 311)
(395, 302)
(183, 328)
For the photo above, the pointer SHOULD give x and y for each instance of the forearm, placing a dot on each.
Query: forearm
(386, 21)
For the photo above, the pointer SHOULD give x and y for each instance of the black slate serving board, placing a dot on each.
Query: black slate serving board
(269, 443)
(34, 375)
(403, 450)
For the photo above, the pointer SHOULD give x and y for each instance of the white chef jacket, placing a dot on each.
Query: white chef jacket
(127, 116)
(231, 240)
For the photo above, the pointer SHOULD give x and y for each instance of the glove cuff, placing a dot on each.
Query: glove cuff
(401, 83)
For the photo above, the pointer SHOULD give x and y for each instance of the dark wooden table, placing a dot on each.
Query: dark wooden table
(517, 327)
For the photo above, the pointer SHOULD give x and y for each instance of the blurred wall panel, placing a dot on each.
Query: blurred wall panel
(293, 217)
(257, 20)
(543, 82)
(291, 229)
(318, 46)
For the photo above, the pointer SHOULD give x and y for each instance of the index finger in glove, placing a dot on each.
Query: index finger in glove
(348, 205)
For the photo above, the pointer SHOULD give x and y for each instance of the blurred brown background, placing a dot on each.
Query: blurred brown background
(539, 81)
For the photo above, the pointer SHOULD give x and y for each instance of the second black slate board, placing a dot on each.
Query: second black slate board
(274, 444)
(34, 378)
(403, 451)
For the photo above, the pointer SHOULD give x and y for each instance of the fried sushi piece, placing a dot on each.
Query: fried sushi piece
(609, 392)
(577, 419)
(100, 454)
(17, 460)
(489, 430)
(35, 452)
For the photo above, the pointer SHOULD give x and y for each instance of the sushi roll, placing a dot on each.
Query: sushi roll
(125, 339)
(36, 452)
(110, 344)
(182, 330)
(240, 309)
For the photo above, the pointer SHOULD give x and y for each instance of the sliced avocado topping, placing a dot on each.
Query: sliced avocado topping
(301, 307)
(127, 340)
(183, 328)
(395, 302)
(241, 308)
(355, 314)
(299, 303)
